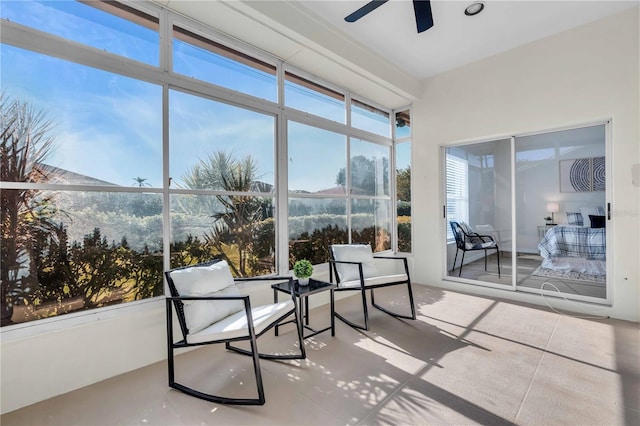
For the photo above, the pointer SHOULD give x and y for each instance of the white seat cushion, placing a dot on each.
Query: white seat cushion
(199, 314)
(487, 244)
(212, 280)
(354, 253)
(368, 282)
(236, 325)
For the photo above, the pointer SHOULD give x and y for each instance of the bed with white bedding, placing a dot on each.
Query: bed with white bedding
(570, 248)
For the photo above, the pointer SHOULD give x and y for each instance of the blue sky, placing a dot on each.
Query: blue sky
(110, 127)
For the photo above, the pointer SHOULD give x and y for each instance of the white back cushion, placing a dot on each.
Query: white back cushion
(354, 253)
(213, 280)
(200, 280)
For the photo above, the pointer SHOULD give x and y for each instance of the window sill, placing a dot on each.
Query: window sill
(25, 330)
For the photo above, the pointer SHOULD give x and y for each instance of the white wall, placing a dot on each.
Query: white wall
(67, 353)
(584, 75)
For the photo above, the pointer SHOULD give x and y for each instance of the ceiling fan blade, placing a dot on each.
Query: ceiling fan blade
(369, 7)
(424, 19)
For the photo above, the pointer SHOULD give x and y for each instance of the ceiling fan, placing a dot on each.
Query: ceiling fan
(421, 8)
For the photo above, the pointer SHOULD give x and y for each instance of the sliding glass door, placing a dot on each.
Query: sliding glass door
(560, 212)
(478, 188)
(528, 213)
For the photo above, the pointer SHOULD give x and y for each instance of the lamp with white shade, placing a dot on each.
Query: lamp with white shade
(553, 208)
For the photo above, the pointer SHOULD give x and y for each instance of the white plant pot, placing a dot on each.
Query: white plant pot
(303, 281)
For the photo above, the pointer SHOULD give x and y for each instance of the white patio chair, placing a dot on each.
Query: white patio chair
(210, 309)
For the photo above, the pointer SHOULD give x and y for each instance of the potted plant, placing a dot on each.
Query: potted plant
(302, 270)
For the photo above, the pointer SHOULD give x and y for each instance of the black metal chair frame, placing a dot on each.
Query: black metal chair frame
(461, 237)
(175, 301)
(333, 270)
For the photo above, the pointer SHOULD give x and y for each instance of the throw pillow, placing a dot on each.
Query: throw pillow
(200, 280)
(597, 221)
(354, 253)
(471, 238)
(574, 218)
(212, 280)
(586, 211)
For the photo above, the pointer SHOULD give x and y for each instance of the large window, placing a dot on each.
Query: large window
(319, 196)
(212, 159)
(370, 118)
(99, 240)
(208, 138)
(369, 171)
(316, 157)
(103, 147)
(98, 136)
(105, 25)
(205, 59)
(314, 224)
(403, 144)
(305, 95)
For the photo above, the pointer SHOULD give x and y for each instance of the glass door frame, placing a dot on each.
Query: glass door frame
(610, 224)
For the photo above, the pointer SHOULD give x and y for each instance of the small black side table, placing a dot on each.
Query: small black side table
(303, 292)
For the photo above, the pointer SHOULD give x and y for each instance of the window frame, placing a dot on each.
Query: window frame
(163, 75)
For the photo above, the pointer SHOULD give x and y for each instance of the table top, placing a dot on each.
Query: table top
(315, 286)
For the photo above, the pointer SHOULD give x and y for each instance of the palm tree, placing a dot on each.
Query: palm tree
(236, 217)
(210, 173)
(24, 144)
(207, 174)
(237, 222)
(141, 182)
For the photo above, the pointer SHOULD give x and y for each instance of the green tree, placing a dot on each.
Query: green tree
(237, 218)
(25, 142)
(403, 182)
(363, 175)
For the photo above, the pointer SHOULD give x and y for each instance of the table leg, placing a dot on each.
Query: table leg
(306, 310)
(275, 300)
(301, 313)
(333, 319)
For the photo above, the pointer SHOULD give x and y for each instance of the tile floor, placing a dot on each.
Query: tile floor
(465, 360)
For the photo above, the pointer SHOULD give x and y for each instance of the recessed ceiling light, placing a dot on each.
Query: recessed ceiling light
(474, 9)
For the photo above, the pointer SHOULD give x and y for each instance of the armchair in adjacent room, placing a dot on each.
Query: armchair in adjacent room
(469, 240)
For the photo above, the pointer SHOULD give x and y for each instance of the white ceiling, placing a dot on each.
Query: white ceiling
(457, 39)
(382, 56)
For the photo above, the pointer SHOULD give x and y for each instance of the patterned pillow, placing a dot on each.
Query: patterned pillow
(586, 211)
(471, 240)
(466, 228)
(575, 218)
